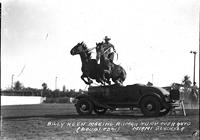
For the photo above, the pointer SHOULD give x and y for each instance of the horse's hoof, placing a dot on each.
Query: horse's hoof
(90, 82)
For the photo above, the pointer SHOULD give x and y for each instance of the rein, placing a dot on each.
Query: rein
(107, 50)
(89, 50)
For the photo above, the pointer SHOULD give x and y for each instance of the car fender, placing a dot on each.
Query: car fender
(149, 94)
(161, 99)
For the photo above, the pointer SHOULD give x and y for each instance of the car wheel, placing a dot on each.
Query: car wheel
(100, 110)
(150, 106)
(84, 107)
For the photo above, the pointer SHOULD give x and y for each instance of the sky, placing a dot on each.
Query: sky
(153, 39)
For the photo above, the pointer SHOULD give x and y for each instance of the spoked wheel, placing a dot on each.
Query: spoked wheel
(150, 106)
(100, 110)
(84, 107)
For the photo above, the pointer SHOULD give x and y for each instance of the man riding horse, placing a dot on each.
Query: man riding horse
(105, 53)
(107, 50)
(104, 71)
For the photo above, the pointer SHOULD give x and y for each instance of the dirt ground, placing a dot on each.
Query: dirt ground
(60, 121)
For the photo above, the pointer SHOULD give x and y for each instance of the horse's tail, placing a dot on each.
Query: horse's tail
(123, 75)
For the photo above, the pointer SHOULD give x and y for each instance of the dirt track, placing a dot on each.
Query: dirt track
(60, 121)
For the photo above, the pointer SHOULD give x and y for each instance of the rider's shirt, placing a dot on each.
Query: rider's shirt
(107, 49)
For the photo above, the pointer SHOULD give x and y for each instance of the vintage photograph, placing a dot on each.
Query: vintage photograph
(99, 69)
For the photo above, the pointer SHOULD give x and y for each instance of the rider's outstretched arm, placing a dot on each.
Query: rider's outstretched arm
(113, 48)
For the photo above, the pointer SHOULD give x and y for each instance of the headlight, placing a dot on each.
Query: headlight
(167, 98)
(72, 100)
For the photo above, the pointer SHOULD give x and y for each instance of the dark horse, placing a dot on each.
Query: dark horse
(90, 68)
(110, 70)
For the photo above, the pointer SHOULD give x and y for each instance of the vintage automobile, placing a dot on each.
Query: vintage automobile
(153, 101)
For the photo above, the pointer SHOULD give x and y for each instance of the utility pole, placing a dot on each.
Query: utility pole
(56, 82)
(12, 81)
(194, 83)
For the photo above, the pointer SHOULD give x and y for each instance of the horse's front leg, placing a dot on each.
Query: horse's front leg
(107, 76)
(87, 82)
(83, 78)
(99, 80)
(118, 82)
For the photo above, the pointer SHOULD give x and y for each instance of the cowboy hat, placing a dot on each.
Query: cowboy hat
(106, 38)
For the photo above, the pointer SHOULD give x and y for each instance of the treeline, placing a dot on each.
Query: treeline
(18, 89)
(41, 92)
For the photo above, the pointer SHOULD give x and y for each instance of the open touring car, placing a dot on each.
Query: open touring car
(153, 101)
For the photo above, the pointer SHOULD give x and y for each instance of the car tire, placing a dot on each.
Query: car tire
(100, 110)
(150, 106)
(84, 107)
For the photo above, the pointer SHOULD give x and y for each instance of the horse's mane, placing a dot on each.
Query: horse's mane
(99, 44)
(84, 46)
(88, 53)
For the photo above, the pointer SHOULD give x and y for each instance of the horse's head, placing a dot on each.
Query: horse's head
(99, 47)
(79, 48)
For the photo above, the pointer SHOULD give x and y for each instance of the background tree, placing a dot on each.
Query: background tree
(44, 86)
(44, 92)
(64, 88)
(18, 85)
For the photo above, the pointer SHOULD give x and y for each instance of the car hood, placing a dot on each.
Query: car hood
(152, 88)
(164, 91)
